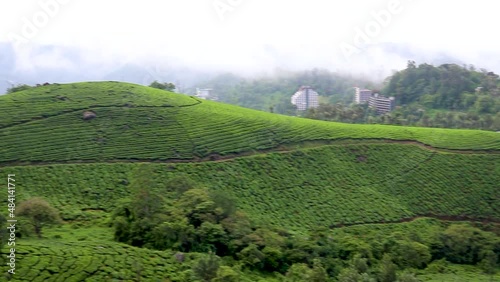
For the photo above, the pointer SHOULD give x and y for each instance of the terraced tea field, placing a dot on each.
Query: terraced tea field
(137, 123)
(336, 184)
(285, 172)
(57, 260)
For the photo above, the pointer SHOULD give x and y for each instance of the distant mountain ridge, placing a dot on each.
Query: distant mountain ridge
(33, 64)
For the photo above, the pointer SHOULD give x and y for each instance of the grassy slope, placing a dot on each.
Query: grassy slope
(86, 254)
(92, 259)
(338, 184)
(135, 122)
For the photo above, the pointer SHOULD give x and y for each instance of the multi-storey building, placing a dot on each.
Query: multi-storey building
(305, 98)
(362, 95)
(381, 104)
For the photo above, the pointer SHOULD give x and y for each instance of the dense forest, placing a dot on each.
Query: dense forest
(447, 96)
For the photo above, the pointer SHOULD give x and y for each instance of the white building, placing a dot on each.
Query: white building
(305, 98)
(203, 93)
(381, 104)
(362, 95)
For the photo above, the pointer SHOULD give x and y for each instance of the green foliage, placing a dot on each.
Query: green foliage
(163, 86)
(482, 114)
(135, 219)
(401, 181)
(318, 273)
(252, 257)
(94, 260)
(459, 273)
(466, 244)
(387, 269)
(438, 266)
(489, 262)
(298, 272)
(322, 179)
(3, 231)
(448, 82)
(140, 123)
(180, 184)
(56, 99)
(192, 222)
(39, 212)
(410, 254)
(206, 268)
(273, 93)
(447, 96)
(17, 88)
(359, 264)
(407, 277)
(226, 274)
(176, 235)
(351, 275)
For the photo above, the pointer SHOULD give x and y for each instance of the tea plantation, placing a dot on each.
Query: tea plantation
(283, 172)
(141, 123)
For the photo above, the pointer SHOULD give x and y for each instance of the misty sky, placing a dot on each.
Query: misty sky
(250, 35)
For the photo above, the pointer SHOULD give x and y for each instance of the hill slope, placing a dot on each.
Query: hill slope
(327, 186)
(46, 124)
(285, 172)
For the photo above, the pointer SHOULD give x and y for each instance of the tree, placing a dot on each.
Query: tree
(226, 274)
(387, 269)
(489, 262)
(409, 253)
(318, 273)
(175, 234)
(407, 277)
(197, 205)
(465, 244)
(298, 272)
(349, 275)
(163, 86)
(252, 257)
(180, 184)
(206, 268)
(40, 213)
(135, 218)
(17, 88)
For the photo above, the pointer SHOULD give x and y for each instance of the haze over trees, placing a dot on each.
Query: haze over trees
(167, 86)
(448, 95)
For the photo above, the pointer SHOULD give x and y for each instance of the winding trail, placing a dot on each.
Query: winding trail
(451, 218)
(281, 149)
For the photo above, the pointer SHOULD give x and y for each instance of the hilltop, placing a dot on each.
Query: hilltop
(291, 176)
(46, 124)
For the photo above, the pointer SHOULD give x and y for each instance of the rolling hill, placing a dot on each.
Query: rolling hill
(287, 172)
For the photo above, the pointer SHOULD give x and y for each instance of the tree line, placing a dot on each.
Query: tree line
(203, 221)
(448, 96)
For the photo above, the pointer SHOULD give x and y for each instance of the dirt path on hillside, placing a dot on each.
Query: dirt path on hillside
(451, 218)
(282, 149)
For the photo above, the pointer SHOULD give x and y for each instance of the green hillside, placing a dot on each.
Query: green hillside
(285, 173)
(336, 184)
(142, 123)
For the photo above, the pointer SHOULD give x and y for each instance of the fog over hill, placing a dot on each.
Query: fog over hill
(65, 41)
(53, 63)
